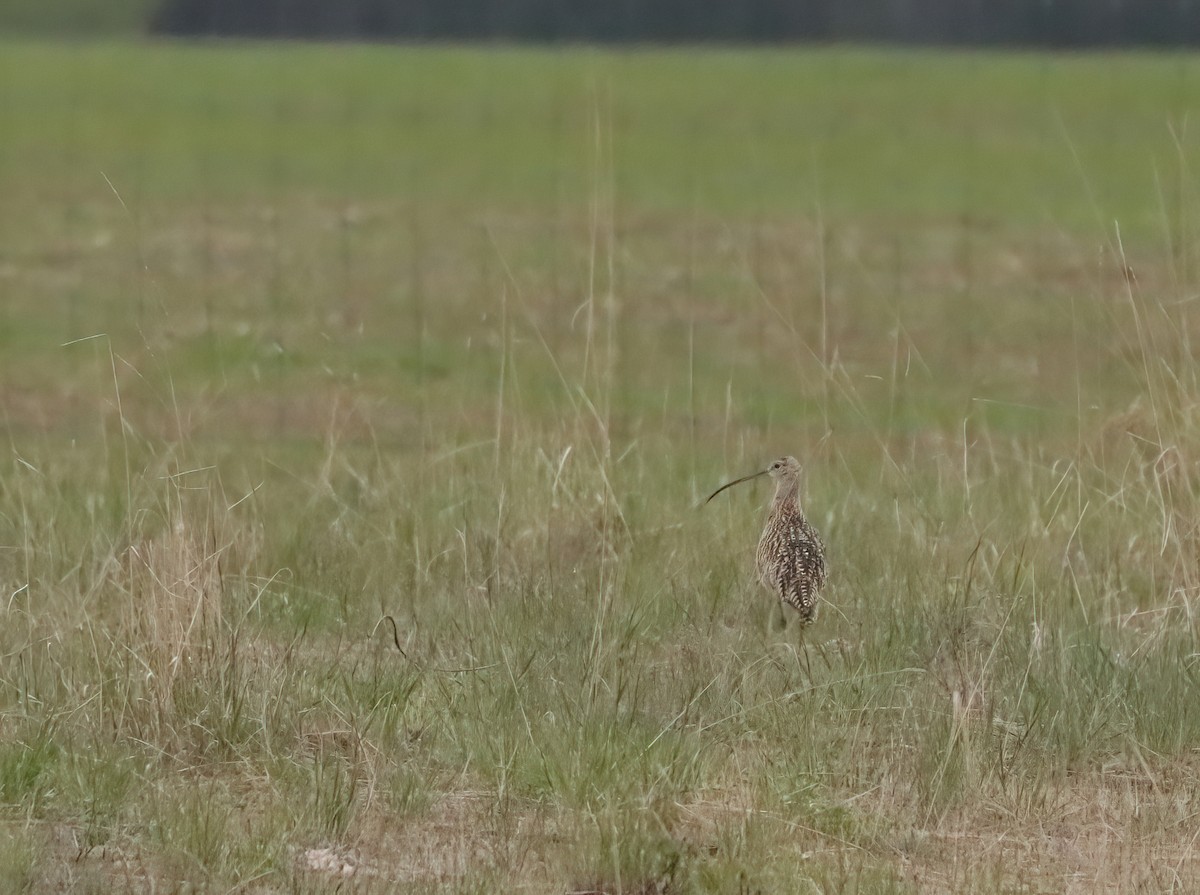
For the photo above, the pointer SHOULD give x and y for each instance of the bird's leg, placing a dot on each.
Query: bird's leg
(775, 622)
(804, 653)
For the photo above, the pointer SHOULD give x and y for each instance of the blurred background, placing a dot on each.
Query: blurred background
(1049, 23)
(423, 192)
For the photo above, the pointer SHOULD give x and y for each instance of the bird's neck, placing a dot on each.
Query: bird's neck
(787, 497)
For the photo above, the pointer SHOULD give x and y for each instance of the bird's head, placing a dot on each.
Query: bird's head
(785, 469)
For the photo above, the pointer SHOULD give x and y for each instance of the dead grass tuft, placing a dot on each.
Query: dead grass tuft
(174, 612)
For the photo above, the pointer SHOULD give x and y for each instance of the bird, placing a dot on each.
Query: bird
(790, 559)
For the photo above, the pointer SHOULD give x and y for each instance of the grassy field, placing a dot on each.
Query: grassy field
(296, 338)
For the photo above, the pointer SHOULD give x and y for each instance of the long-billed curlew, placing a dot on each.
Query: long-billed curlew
(791, 555)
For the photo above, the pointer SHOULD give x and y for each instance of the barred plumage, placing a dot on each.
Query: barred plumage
(791, 555)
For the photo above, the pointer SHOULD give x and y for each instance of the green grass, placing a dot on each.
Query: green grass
(75, 18)
(293, 338)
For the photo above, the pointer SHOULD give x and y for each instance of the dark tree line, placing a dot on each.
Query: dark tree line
(1059, 23)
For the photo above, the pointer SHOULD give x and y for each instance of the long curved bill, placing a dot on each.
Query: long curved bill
(744, 478)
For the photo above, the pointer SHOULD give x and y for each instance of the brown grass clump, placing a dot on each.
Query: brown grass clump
(172, 611)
